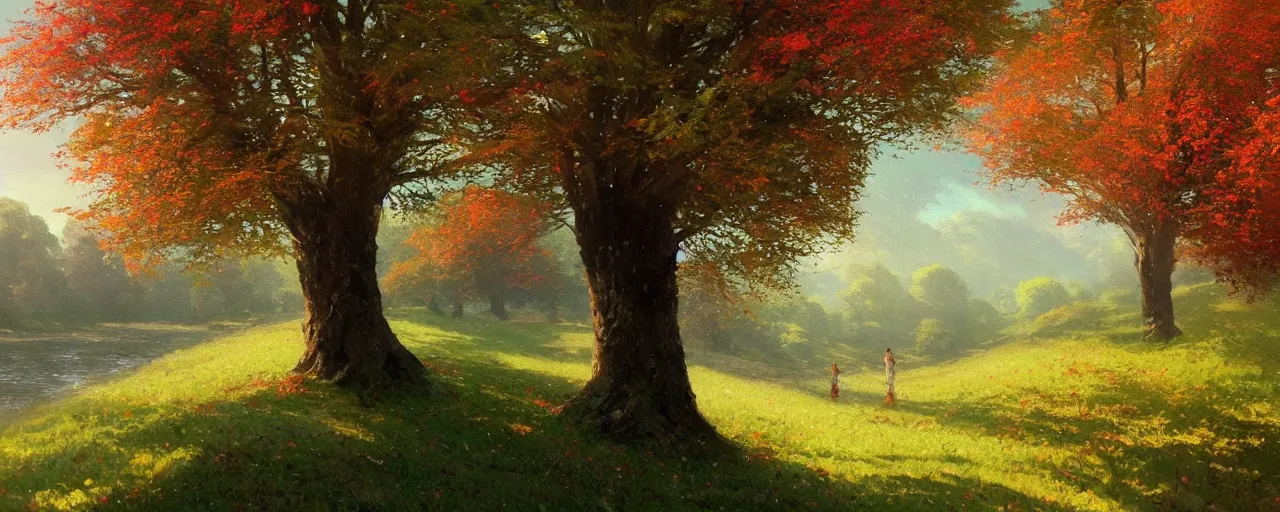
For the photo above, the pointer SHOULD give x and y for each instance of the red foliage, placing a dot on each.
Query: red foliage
(478, 234)
(1147, 114)
(200, 118)
(749, 125)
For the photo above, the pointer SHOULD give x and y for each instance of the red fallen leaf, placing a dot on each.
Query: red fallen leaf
(128, 414)
(1185, 480)
(291, 445)
(103, 499)
(1068, 474)
(542, 403)
(968, 496)
(756, 434)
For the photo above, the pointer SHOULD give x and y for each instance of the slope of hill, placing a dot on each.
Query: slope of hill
(1072, 412)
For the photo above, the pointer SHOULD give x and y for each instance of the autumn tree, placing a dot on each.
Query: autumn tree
(101, 288)
(1133, 111)
(216, 128)
(480, 243)
(737, 132)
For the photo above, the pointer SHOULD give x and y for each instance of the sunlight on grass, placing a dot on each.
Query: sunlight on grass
(1068, 418)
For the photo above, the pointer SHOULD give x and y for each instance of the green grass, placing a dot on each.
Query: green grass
(1070, 413)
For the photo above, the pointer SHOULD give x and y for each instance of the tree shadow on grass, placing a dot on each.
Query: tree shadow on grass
(480, 441)
(466, 337)
(1135, 442)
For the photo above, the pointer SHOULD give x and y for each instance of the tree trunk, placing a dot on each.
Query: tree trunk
(434, 306)
(498, 304)
(457, 306)
(348, 341)
(639, 387)
(1155, 261)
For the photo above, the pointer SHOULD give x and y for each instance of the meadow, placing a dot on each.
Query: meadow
(1070, 412)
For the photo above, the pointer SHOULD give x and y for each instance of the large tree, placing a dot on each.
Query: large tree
(215, 128)
(1132, 110)
(737, 132)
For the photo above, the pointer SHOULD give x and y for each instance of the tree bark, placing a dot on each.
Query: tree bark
(457, 306)
(639, 387)
(348, 340)
(498, 304)
(1155, 261)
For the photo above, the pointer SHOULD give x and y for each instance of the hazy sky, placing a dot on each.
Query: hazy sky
(29, 173)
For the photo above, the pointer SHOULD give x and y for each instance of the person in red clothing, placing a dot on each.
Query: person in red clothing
(835, 382)
(889, 373)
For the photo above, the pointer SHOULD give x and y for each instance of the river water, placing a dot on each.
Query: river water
(34, 369)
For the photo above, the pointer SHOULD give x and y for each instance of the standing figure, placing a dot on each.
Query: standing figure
(835, 382)
(889, 373)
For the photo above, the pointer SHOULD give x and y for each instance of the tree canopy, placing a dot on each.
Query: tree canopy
(1132, 110)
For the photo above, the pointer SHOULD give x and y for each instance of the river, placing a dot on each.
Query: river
(34, 368)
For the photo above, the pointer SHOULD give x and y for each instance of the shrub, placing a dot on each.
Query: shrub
(986, 320)
(1080, 316)
(796, 341)
(1040, 295)
(932, 337)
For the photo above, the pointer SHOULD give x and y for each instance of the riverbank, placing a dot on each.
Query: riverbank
(42, 366)
(1073, 414)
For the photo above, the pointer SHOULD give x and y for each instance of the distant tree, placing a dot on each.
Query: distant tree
(479, 243)
(31, 280)
(709, 308)
(101, 288)
(562, 289)
(214, 127)
(1005, 299)
(1040, 295)
(942, 295)
(1133, 111)
(985, 320)
(166, 292)
(876, 296)
(933, 337)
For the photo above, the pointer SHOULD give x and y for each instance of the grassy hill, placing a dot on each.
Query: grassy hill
(1071, 412)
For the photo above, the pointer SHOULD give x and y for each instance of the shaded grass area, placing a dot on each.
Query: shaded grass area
(1063, 418)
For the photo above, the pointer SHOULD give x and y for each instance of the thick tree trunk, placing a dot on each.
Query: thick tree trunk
(1155, 262)
(348, 341)
(639, 387)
